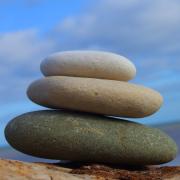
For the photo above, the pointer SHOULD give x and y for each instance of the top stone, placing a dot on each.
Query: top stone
(91, 64)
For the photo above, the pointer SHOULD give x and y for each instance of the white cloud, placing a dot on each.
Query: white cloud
(20, 55)
(132, 27)
(22, 45)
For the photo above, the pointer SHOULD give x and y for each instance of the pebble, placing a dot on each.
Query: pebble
(85, 137)
(107, 97)
(91, 64)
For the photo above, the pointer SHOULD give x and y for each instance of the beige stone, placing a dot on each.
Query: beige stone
(106, 97)
(92, 64)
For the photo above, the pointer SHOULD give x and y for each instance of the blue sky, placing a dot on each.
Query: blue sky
(42, 14)
(147, 32)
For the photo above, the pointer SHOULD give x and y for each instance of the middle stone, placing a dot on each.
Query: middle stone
(108, 97)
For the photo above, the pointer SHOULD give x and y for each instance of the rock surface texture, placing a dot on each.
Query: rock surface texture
(16, 170)
(107, 97)
(92, 64)
(89, 138)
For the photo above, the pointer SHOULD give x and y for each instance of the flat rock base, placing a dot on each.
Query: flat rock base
(17, 170)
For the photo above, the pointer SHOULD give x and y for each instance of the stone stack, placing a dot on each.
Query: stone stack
(85, 88)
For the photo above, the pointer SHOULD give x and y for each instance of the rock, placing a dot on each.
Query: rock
(106, 97)
(129, 173)
(92, 64)
(18, 170)
(88, 138)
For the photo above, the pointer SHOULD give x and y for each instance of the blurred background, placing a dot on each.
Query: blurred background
(146, 32)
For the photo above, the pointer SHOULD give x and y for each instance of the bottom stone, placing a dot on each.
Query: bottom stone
(85, 137)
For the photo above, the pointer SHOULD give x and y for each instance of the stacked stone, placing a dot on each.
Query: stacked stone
(86, 87)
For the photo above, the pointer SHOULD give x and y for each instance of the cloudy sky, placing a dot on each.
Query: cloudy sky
(147, 32)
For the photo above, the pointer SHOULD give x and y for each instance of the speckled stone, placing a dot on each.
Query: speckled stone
(92, 64)
(90, 138)
(108, 97)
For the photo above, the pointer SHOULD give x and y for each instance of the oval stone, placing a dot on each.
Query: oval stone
(92, 64)
(100, 96)
(88, 138)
